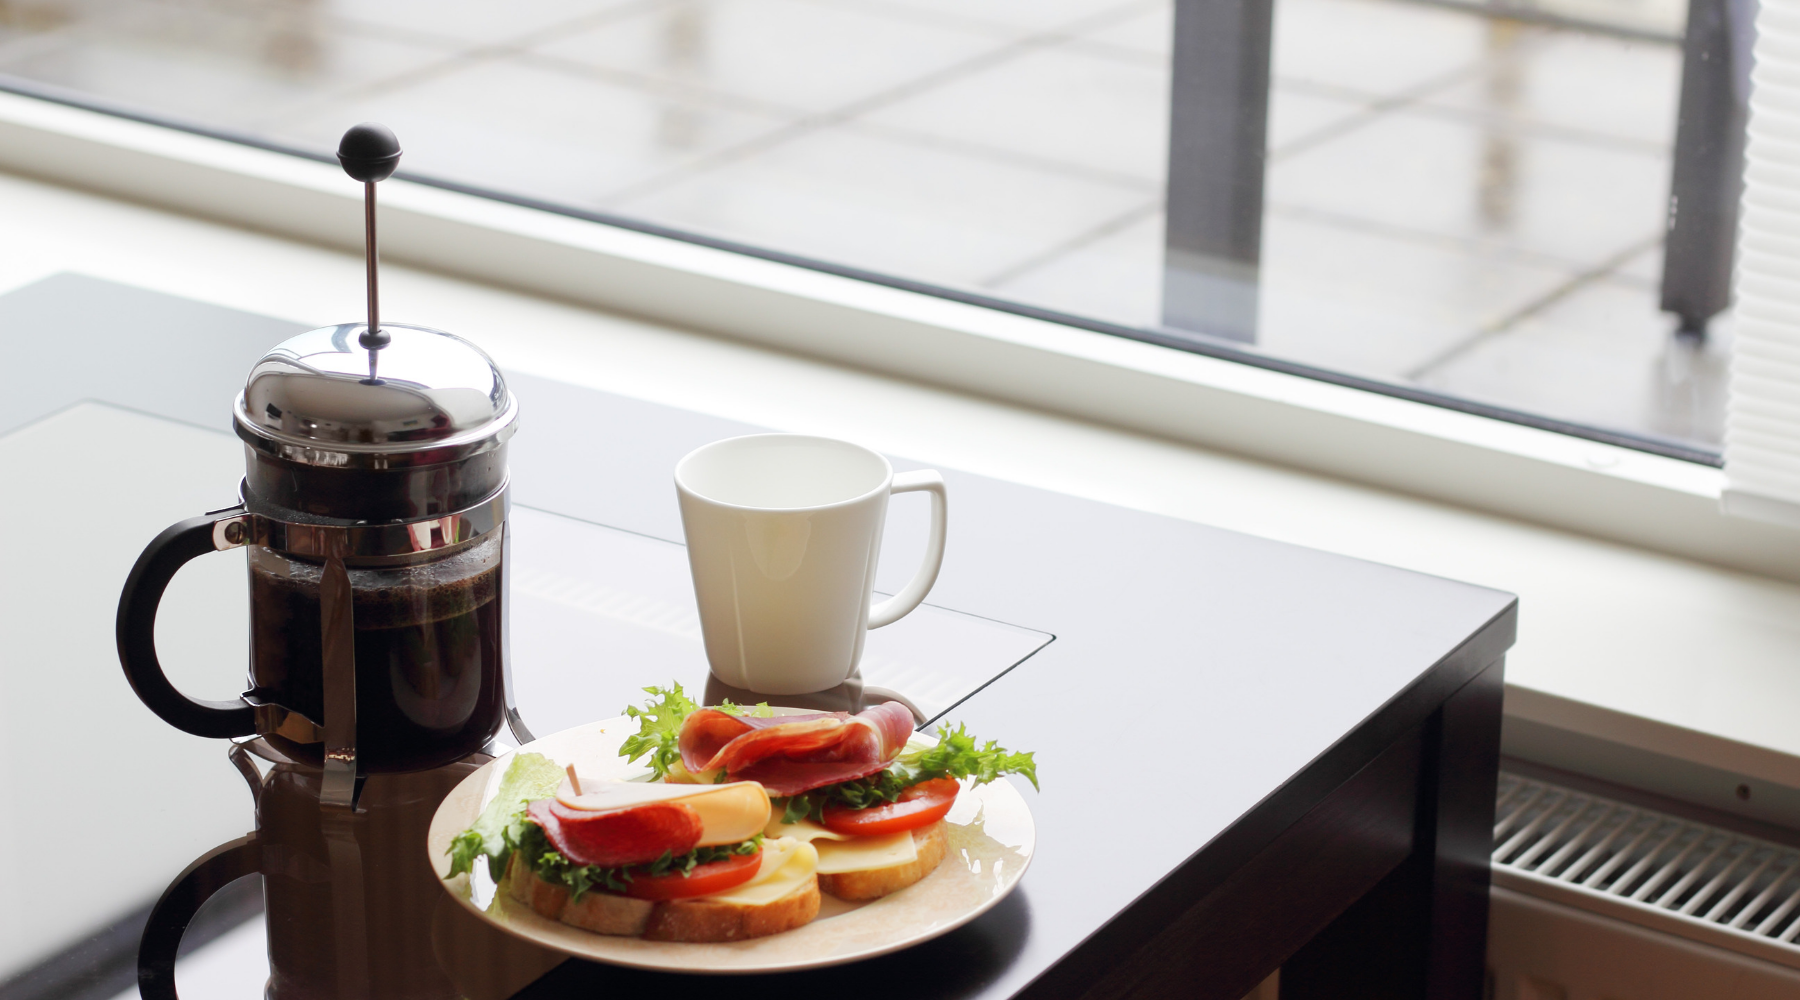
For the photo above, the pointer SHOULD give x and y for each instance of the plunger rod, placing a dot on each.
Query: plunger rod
(373, 259)
(369, 153)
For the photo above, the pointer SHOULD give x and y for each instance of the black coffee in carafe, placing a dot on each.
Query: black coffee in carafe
(428, 654)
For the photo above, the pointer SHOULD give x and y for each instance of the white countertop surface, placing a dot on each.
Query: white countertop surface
(1648, 640)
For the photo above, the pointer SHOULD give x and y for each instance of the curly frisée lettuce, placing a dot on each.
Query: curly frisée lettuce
(659, 726)
(530, 777)
(956, 755)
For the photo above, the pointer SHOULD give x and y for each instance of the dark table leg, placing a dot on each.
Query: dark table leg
(1422, 932)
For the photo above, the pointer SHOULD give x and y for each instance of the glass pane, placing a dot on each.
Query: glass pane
(1467, 202)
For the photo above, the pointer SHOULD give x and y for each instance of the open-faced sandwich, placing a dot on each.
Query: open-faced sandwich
(745, 817)
(661, 861)
(865, 791)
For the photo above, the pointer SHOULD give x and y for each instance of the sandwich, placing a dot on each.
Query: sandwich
(659, 861)
(864, 791)
(745, 817)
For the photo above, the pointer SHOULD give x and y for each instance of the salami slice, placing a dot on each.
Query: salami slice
(622, 837)
(790, 754)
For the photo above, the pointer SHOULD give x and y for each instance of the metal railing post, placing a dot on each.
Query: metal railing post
(1218, 138)
(1707, 181)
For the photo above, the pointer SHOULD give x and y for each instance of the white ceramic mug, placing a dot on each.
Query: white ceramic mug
(783, 531)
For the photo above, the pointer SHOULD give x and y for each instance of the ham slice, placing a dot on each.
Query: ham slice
(790, 754)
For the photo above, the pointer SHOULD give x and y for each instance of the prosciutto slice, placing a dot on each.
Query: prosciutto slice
(790, 754)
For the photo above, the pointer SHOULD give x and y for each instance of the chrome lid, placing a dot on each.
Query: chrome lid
(423, 397)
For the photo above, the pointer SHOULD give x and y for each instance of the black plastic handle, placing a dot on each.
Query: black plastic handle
(169, 919)
(136, 633)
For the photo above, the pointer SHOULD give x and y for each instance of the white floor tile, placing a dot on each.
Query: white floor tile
(790, 53)
(1609, 87)
(867, 200)
(1117, 278)
(1603, 356)
(1365, 303)
(216, 67)
(1645, 268)
(1575, 202)
(1299, 117)
(1377, 305)
(1666, 17)
(1151, 32)
(478, 23)
(1060, 104)
(1372, 46)
(1006, 15)
(549, 134)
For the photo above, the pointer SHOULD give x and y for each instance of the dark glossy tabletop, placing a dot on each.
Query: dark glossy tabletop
(1194, 671)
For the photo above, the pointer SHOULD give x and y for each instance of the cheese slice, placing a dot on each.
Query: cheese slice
(792, 866)
(775, 853)
(729, 814)
(866, 853)
(680, 775)
(805, 830)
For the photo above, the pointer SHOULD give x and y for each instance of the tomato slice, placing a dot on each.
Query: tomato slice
(714, 876)
(921, 805)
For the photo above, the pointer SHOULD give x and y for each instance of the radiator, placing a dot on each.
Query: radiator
(1597, 898)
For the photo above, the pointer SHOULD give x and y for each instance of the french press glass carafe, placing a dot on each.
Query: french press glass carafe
(373, 509)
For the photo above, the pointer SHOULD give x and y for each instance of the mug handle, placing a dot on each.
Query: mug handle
(170, 917)
(900, 605)
(135, 629)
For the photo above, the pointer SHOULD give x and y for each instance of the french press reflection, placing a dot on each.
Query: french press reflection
(373, 512)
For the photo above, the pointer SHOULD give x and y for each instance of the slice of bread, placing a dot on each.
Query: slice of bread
(874, 883)
(696, 920)
(705, 919)
(605, 913)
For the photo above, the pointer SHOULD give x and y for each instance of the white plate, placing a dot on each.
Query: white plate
(991, 839)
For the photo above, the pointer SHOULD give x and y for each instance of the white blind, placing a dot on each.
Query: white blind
(1762, 423)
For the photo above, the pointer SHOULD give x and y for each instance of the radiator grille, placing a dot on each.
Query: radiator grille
(1648, 867)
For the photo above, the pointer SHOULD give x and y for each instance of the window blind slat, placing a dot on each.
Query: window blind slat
(1762, 423)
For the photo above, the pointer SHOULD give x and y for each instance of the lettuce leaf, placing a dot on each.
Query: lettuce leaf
(659, 728)
(956, 755)
(546, 863)
(530, 777)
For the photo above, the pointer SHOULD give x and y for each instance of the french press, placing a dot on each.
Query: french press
(373, 509)
(373, 513)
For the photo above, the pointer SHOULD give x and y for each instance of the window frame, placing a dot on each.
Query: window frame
(1202, 393)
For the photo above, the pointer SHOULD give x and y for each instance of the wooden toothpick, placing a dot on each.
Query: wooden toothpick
(573, 780)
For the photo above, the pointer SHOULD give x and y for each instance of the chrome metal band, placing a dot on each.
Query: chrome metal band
(383, 455)
(357, 542)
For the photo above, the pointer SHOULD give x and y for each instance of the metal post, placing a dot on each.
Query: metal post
(1708, 177)
(1218, 139)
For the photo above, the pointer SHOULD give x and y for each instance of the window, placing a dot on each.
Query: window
(1461, 203)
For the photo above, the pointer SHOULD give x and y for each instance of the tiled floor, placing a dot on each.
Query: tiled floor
(1454, 201)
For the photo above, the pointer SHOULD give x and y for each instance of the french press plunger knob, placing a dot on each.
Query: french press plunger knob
(370, 152)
